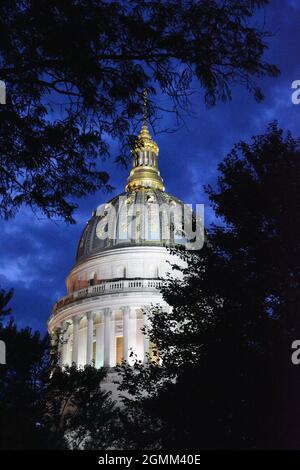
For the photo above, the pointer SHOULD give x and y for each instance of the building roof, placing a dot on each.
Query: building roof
(142, 216)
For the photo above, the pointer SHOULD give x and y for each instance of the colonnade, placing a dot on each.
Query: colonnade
(96, 342)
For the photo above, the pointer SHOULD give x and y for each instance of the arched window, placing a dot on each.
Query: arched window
(121, 271)
(93, 279)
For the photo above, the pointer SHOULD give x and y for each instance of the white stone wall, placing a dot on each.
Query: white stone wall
(109, 308)
(134, 262)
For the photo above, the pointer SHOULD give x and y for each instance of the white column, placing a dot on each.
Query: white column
(146, 338)
(76, 321)
(89, 337)
(107, 336)
(126, 313)
(100, 342)
(64, 354)
(55, 344)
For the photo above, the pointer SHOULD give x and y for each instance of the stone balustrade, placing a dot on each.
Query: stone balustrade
(108, 287)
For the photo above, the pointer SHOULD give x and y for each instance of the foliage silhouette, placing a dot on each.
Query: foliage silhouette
(227, 380)
(75, 72)
(45, 407)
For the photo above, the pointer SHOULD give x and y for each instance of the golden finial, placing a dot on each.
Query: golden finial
(145, 171)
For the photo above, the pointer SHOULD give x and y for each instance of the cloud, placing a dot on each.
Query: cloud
(37, 254)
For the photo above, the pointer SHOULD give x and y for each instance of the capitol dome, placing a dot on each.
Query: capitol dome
(121, 263)
(156, 220)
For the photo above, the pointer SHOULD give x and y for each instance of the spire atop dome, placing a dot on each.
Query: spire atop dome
(145, 112)
(145, 171)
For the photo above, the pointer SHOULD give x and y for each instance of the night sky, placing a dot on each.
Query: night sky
(36, 254)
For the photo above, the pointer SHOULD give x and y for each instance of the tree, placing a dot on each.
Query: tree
(5, 298)
(43, 406)
(226, 344)
(75, 72)
(21, 381)
(79, 414)
(22, 386)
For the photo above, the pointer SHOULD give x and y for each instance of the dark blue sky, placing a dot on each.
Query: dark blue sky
(36, 254)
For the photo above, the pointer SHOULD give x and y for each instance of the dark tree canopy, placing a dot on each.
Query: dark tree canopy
(5, 298)
(77, 406)
(75, 72)
(21, 386)
(228, 338)
(41, 404)
(258, 198)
